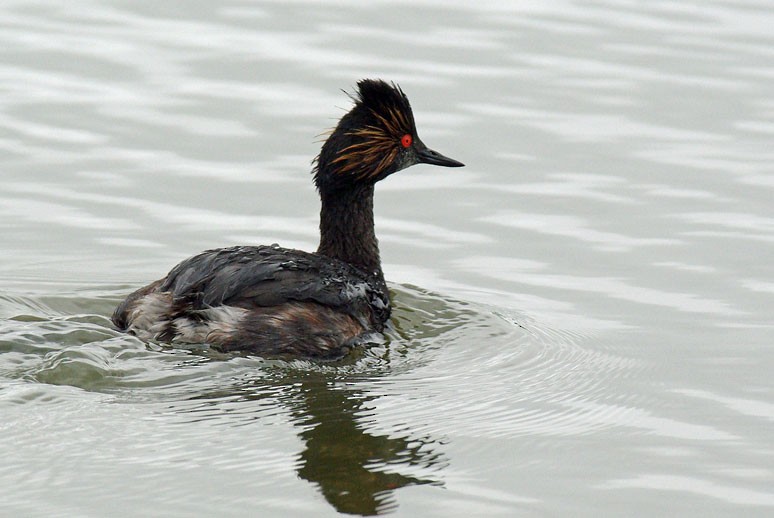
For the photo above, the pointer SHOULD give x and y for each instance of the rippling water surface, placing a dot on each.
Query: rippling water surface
(583, 315)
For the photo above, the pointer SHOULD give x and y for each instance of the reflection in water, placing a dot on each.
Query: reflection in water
(355, 470)
(345, 461)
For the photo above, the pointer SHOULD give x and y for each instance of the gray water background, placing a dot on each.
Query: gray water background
(583, 314)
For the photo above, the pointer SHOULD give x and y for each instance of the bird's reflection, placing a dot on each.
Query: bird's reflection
(357, 471)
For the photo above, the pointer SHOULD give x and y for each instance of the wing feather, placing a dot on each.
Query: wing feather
(265, 276)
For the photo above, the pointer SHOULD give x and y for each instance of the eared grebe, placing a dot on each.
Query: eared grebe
(275, 301)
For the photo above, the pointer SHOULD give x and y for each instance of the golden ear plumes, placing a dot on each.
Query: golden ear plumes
(378, 144)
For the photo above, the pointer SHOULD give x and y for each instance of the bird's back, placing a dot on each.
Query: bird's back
(263, 299)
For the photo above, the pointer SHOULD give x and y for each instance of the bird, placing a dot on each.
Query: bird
(273, 301)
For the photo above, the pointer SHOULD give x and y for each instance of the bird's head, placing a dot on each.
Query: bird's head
(376, 138)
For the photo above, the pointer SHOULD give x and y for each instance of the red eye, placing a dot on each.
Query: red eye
(406, 140)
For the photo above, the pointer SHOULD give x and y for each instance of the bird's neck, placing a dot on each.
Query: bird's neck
(347, 228)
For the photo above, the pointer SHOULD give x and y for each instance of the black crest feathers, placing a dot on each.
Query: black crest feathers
(387, 102)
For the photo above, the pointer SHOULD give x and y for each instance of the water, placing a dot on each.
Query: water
(583, 314)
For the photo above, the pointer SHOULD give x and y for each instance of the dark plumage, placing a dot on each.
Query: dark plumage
(274, 301)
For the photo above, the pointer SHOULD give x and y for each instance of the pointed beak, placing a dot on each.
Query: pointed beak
(428, 156)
